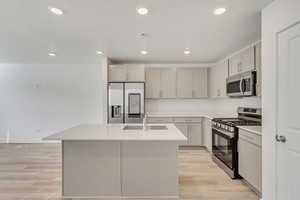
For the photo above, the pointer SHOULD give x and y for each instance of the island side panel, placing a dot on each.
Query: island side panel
(91, 168)
(149, 168)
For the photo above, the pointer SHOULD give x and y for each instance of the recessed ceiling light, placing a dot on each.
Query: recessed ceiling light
(52, 54)
(144, 52)
(219, 11)
(56, 11)
(99, 52)
(187, 51)
(142, 10)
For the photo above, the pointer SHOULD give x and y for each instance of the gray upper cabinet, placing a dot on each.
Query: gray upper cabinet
(192, 83)
(167, 83)
(184, 83)
(117, 73)
(200, 85)
(160, 83)
(217, 80)
(126, 73)
(243, 61)
(135, 73)
(153, 83)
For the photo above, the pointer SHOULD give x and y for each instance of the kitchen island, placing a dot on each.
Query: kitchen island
(108, 161)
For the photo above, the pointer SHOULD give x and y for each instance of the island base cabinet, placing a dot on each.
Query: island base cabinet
(97, 169)
(91, 168)
(149, 169)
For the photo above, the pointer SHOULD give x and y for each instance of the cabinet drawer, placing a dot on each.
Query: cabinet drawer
(250, 137)
(188, 119)
(160, 120)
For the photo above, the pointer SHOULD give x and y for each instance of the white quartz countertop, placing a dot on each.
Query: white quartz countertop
(252, 129)
(190, 114)
(115, 132)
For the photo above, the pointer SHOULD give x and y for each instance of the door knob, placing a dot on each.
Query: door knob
(280, 138)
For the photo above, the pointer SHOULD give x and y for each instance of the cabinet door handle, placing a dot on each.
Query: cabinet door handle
(161, 93)
(280, 138)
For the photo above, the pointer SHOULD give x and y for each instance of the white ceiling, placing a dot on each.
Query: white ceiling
(29, 31)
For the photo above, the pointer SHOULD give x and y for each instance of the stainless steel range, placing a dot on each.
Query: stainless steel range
(225, 138)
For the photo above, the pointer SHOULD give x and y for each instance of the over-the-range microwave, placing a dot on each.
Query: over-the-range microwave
(241, 85)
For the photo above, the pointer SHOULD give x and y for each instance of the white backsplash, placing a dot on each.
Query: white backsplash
(226, 106)
(177, 105)
(230, 105)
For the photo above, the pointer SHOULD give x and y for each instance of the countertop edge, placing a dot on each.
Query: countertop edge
(117, 134)
(186, 115)
(250, 130)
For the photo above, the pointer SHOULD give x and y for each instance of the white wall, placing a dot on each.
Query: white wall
(39, 99)
(276, 17)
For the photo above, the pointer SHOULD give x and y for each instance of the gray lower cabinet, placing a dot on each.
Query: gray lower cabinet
(250, 158)
(195, 134)
(193, 131)
(207, 134)
(191, 127)
(184, 129)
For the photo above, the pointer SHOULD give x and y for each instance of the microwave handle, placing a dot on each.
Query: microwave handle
(241, 83)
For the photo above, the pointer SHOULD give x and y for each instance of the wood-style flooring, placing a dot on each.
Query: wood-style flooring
(33, 172)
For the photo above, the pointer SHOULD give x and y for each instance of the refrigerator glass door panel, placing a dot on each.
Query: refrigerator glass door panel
(134, 102)
(116, 103)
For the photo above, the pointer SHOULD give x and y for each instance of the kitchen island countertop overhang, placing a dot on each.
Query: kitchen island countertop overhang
(115, 132)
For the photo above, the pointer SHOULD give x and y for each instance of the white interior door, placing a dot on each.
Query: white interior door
(288, 109)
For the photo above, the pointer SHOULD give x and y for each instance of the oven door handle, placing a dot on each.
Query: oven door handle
(231, 135)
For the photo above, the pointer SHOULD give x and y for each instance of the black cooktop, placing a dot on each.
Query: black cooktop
(236, 122)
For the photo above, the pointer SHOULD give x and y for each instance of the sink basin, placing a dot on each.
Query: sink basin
(132, 127)
(158, 127)
(152, 127)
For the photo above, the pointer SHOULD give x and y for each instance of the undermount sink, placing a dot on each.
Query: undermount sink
(132, 127)
(153, 127)
(158, 127)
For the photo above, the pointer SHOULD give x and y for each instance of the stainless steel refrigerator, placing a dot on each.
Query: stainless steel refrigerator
(126, 102)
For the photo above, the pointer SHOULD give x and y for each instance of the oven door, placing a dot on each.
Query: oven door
(223, 146)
